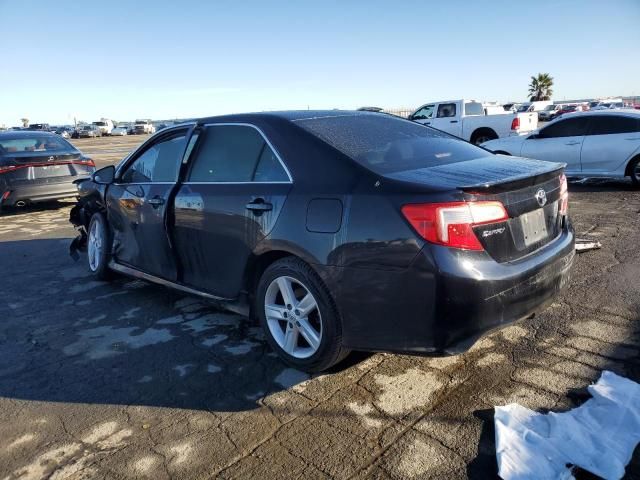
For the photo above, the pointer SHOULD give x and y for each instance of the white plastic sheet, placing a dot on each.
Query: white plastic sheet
(598, 436)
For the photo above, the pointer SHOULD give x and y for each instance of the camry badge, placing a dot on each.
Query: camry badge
(51, 159)
(541, 197)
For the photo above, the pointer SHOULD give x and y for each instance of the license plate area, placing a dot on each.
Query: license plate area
(534, 227)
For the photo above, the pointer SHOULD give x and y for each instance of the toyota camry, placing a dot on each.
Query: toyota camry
(336, 230)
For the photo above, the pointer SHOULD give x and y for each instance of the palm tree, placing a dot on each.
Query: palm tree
(540, 87)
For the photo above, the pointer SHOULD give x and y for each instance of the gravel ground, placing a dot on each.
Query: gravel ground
(128, 379)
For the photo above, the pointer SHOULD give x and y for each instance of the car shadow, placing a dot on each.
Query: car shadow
(65, 337)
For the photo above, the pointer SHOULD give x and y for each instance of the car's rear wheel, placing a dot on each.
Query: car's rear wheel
(98, 246)
(634, 172)
(299, 316)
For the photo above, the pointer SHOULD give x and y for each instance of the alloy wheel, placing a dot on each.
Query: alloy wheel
(94, 246)
(293, 317)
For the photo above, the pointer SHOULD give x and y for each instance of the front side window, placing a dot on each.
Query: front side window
(235, 153)
(612, 124)
(159, 162)
(423, 113)
(446, 110)
(570, 127)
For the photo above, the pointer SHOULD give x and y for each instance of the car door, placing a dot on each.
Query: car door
(234, 189)
(560, 141)
(447, 119)
(610, 143)
(137, 206)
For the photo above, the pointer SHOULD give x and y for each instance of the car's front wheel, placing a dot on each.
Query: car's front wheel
(98, 246)
(299, 316)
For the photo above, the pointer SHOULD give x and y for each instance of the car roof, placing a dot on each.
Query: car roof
(291, 115)
(26, 133)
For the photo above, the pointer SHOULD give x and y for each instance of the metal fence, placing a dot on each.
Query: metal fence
(400, 112)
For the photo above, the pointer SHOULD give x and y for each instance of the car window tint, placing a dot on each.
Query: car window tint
(269, 168)
(446, 110)
(570, 127)
(612, 124)
(159, 162)
(387, 144)
(230, 153)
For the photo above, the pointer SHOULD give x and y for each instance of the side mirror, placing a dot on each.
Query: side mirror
(104, 176)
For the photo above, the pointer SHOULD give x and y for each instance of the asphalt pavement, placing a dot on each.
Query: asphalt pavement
(127, 379)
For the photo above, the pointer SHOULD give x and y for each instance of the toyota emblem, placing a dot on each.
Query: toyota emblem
(541, 197)
(51, 159)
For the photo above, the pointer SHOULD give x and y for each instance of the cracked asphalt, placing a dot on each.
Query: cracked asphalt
(127, 379)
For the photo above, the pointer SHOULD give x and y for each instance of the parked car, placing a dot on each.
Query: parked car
(144, 127)
(64, 132)
(466, 119)
(535, 106)
(120, 130)
(549, 113)
(608, 105)
(339, 230)
(42, 127)
(593, 144)
(37, 166)
(89, 131)
(567, 109)
(105, 125)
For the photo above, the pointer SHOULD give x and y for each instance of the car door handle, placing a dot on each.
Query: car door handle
(635, 138)
(573, 143)
(259, 206)
(453, 121)
(155, 202)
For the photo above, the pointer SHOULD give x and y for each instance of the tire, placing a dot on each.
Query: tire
(483, 135)
(98, 242)
(308, 340)
(634, 172)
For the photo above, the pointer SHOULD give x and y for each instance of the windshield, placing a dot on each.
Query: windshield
(33, 143)
(550, 108)
(386, 144)
(99, 124)
(523, 108)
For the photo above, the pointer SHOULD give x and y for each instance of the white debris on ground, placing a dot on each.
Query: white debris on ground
(583, 244)
(598, 436)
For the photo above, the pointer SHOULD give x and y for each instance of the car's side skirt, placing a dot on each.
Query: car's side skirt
(228, 303)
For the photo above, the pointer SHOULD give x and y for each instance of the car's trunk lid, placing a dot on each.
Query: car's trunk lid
(528, 189)
(37, 166)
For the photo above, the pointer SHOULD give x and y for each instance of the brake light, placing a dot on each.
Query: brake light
(451, 224)
(85, 161)
(7, 168)
(563, 208)
(515, 123)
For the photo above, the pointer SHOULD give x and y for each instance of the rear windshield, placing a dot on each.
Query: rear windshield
(386, 144)
(33, 143)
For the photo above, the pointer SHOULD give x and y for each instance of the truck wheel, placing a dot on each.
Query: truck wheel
(98, 246)
(483, 135)
(299, 317)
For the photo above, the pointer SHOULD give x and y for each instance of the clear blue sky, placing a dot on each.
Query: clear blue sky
(166, 59)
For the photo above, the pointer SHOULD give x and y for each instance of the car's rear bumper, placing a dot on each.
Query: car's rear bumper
(36, 192)
(448, 298)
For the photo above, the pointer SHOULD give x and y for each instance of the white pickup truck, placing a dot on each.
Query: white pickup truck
(143, 127)
(466, 119)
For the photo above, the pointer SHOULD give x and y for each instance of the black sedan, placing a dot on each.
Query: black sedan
(338, 230)
(37, 166)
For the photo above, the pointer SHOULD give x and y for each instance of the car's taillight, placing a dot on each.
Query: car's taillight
(563, 208)
(85, 161)
(451, 224)
(515, 123)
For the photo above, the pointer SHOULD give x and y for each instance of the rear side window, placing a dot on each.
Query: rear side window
(570, 127)
(473, 108)
(611, 124)
(159, 162)
(386, 144)
(446, 110)
(235, 153)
